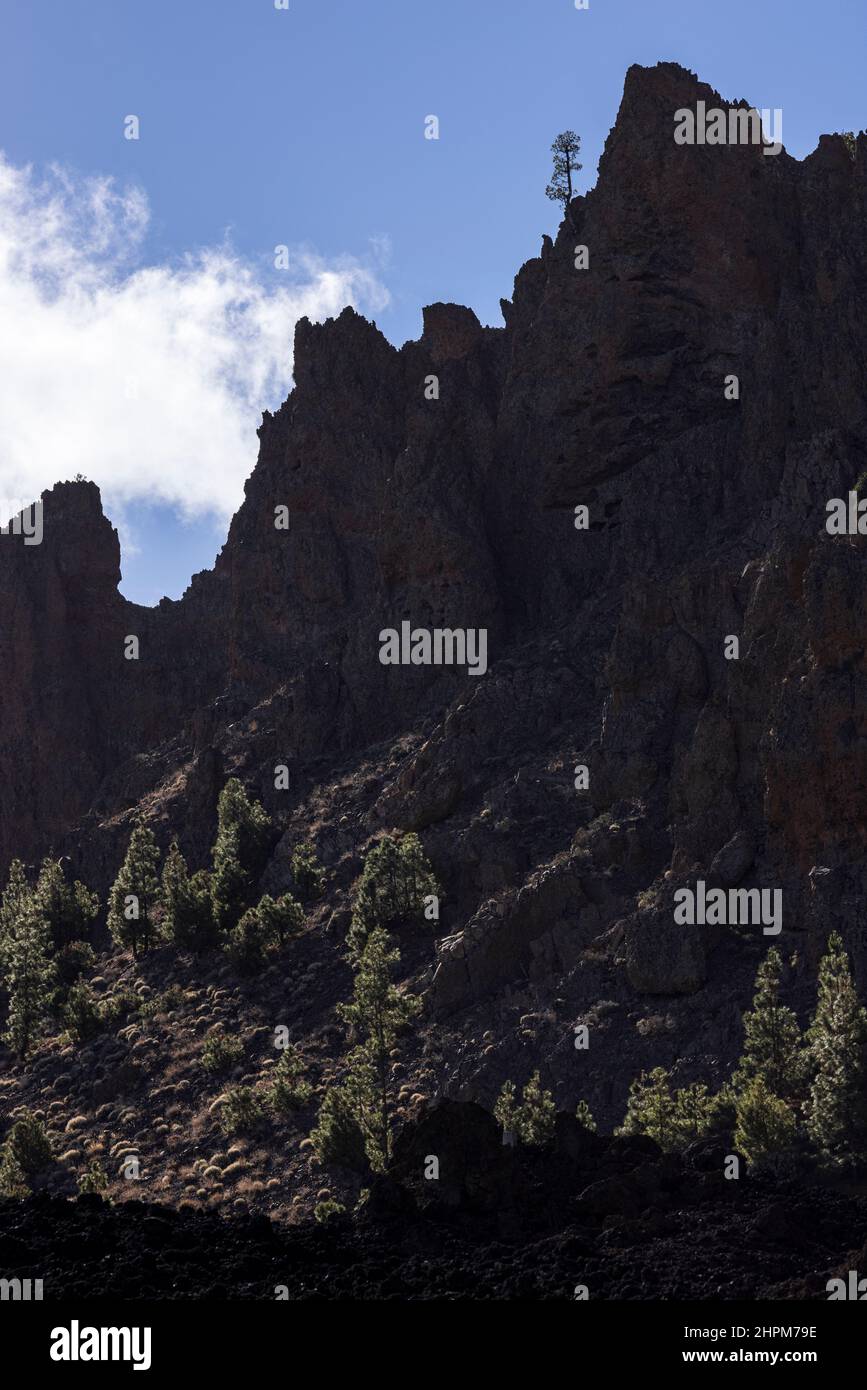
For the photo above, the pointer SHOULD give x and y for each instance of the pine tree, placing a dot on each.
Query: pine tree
(507, 1110)
(650, 1107)
(772, 1038)
(69, 909)
(248, 941)
(81, 1013)
(187, 911)
(16, 896)
(693, 1113)
(396, 879)
(836, 1110)
(287, 1089)
(239, 854)
(135, 892)
(377, 1013)
(564, 149)
(338, 1137)
(765, 1125)
(308, 874)
(28, 971)
(281, 920)
(536, 1116)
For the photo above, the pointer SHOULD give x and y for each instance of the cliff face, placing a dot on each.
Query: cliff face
(606, 646)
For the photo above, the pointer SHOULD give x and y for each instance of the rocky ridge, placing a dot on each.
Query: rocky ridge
(606, 646)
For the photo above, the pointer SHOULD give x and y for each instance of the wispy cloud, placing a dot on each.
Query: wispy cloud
(149, 379)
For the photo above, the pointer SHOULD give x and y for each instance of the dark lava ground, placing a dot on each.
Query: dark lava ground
(615, 1215)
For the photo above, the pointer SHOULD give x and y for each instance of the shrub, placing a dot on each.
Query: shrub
(73, 960)
(13, 1180)
(327, 1211)
(95, 1179)
(118, 1005)
(81, 1013)
(288, 1090)
(29, 1144)
(672, 1120)
(242, 1110)
(163, 1003)
(338, 1136)
(221, 1053)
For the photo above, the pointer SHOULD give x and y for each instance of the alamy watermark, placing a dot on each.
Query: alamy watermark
(25, 519)
(439, 646)
(732, 125)
(735, 907)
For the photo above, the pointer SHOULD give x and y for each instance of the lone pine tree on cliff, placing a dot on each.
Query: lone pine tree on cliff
(564, 149)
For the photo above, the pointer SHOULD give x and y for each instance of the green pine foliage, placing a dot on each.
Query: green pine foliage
(507, 1108)
(13, 1179)
(377, 1013)
(532, 1119)
(26, 965)
(239, 855)
(69, 909)
(288, 1090)
(221, 1054)
(396, 879)
(28, 1145)
(281, 919)
(248, 941)
(308, 874)
(187, 910)
(650, 1108)
(81, 1014)
(95, 1179)
(765, 1126)
(536, 1120)
(672, 1118)
(772, 1038)
(135, 893)
(242, 1111)
(836, 1109)
(338, 1139)
(565, 149)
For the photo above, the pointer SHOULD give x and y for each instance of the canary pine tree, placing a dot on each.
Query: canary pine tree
(28, 971)
(135, 892)
(836, 1109)
(772, 1039)
(239, 854)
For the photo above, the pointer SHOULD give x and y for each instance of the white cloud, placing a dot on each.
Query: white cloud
(149, 379)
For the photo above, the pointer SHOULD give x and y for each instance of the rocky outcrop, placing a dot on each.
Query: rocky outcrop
(608, 647)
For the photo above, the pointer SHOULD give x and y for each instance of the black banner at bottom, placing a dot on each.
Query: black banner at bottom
(221, 1340)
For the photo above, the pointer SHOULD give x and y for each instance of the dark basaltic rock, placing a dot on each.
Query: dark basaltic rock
(606, 646)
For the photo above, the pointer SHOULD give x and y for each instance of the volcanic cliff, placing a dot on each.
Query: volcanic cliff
(606, 645)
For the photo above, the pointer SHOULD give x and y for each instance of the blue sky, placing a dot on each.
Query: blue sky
(304, 127)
